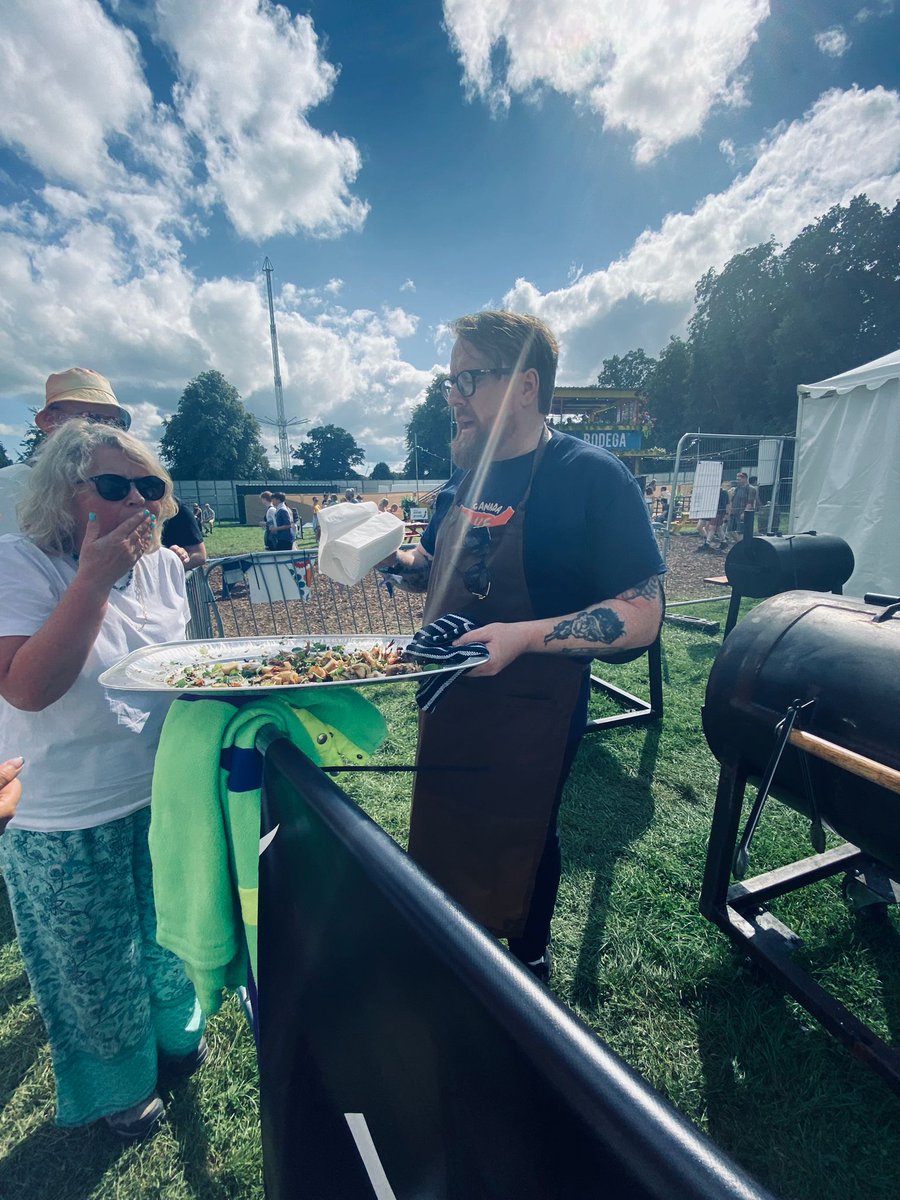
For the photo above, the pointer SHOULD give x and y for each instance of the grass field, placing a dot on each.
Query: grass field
(633, 958)
(230, 538)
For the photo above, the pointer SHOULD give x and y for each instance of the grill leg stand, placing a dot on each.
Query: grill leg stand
(740, 912)
(722, 839)
(637, 711)
(734, 608)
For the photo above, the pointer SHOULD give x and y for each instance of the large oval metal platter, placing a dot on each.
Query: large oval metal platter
(150, 668)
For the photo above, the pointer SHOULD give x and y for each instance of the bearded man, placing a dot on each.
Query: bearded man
(545, 544)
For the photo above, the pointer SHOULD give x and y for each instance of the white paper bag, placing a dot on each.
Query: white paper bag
(354, 538)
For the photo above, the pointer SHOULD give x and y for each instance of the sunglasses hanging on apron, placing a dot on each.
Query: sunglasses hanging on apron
(480, 831)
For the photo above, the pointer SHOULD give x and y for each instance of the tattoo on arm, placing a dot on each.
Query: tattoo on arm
(602, 625)
(413, 578)
(648, 590)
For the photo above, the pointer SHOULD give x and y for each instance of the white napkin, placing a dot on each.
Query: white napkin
(353, 538)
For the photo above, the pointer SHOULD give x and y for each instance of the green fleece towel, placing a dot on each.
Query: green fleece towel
(204, 827)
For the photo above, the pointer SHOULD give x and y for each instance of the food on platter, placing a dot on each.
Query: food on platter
(311, 662)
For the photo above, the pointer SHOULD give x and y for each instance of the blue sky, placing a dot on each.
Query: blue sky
(402, 163)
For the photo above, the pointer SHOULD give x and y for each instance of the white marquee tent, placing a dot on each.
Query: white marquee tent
(847, 473)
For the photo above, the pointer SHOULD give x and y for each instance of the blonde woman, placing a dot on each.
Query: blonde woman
(84, 584)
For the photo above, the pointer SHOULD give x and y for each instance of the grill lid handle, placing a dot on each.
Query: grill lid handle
(887, 613)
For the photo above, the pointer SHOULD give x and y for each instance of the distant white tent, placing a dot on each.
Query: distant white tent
(847, 473)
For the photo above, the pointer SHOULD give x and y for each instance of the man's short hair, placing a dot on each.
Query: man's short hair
(514, 340)
(265, 495)
(279, 496)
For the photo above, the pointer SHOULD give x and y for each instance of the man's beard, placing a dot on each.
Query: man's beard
(468, 448)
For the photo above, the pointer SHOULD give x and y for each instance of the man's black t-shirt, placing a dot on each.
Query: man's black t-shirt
(182, 529)
(587, 531)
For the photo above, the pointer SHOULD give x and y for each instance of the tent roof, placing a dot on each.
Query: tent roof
(871, 375)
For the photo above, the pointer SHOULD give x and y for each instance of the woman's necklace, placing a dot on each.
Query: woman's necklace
(122, 585)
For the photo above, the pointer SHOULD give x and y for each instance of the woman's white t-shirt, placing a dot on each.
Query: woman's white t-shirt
(89, 756)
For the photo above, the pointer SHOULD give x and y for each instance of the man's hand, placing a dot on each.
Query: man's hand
(505, 642)
(10, 789)
(191, 556)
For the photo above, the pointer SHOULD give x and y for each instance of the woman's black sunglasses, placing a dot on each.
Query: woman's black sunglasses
(117, 487)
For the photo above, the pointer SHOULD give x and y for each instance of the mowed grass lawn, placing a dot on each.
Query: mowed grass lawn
(633, 958)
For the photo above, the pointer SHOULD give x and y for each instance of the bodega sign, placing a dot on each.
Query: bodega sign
(612, 439)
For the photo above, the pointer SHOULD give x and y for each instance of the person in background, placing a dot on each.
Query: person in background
(382, 505)
(78, 392)
(316, 509)
(82, 393)
(10, 789)
(712, 529)
(332, 499)
(350, 496)
(394, 510)
(198, 512)
(209, 518)
(268, 520)
(742, 508)
(86, 584)
(283, 524)
(545, 599)
(182, 533)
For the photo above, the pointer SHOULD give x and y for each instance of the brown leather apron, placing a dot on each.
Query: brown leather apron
(480, 833)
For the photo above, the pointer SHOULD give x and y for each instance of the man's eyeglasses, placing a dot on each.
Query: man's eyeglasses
(58, 416)
(466, 381)
(477, 578)
(117, 487)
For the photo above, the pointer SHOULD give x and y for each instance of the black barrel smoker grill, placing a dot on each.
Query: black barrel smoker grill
(804, 697)
(768, 564)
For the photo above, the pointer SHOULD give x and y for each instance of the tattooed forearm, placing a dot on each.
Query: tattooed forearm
(648, 590)
(596, 625)
(412, 578)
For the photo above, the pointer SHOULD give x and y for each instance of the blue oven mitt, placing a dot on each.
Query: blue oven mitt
(433, 644)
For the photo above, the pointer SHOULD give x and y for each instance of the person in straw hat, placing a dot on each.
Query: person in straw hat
(81, 392)
(78, 392)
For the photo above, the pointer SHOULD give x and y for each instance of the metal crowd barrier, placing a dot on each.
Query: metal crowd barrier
(404, 1055)
(281, 592)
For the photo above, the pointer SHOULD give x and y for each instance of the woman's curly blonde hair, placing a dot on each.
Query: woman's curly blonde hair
(61, 464)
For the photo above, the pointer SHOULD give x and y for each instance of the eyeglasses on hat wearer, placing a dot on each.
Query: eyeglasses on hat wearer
(466, 381)
(58, 416)
(117, 487)
(477, 577)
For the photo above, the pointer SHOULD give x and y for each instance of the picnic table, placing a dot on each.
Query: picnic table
(415, 529)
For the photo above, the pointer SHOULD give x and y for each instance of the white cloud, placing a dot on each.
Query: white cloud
(655, 70)
(848, 142)
(726, 149)
(247, 80)
(833, 42)
(407, 286)
(69, 79)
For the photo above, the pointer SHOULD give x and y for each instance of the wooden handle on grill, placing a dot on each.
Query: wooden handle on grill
(847, 760)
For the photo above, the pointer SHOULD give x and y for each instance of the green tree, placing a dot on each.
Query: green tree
(737, 312)
(841, 280)
(327, 452)
(428, 436)
(5, 460)
(32, 439)
(381, 471)
(211, 435)
(628, 371)
(668, 392)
